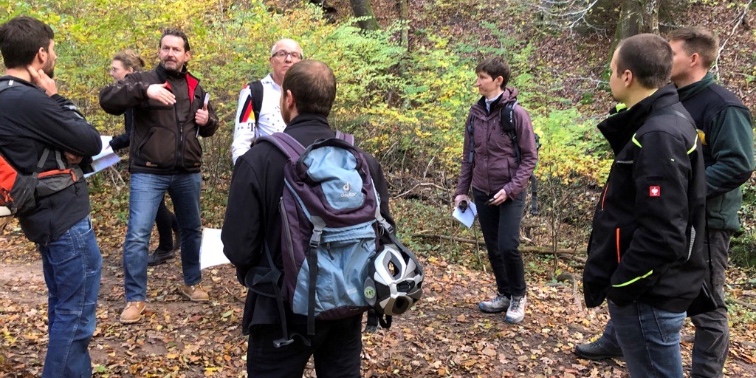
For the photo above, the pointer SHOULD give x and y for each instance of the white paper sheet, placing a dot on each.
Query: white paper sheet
(106, 158)
(211, 249)
(468, 216)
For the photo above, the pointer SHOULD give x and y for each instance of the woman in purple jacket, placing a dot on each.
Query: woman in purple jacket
(499, 155)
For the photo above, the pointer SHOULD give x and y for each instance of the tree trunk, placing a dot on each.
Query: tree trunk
(636, 17)
(362, 8)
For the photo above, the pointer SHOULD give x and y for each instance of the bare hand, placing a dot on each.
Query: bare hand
(202, 116)
(40, 79)
(72, 158)
(498, 198)
(459, 198)
(161, 94)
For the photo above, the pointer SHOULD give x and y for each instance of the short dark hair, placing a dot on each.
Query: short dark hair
(648, 57)
(313, 86)
(175, 33)
(21, 38)
(697, 40)
(495, 66)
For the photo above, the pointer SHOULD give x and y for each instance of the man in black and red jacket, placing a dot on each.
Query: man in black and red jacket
(171, 112)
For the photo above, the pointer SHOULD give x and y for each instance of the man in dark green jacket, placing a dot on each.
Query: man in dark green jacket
(725, 130)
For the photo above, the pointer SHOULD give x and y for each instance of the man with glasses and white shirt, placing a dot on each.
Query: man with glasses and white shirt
(259, 113)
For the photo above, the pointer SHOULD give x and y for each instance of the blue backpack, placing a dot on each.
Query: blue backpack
(331, 225)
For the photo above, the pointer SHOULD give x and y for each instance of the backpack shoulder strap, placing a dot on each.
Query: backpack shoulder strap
(349, 138)
(5, 84)
(256, 91)
(506, 120)
(506, 117)
(286, 144)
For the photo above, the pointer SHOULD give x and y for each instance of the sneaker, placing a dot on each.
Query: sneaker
(496, 304)
(133, 312)
(194, 293)
(598, 350)
(516, 310)
(160, 256)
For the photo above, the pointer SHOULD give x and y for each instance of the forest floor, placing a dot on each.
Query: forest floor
(444, 335)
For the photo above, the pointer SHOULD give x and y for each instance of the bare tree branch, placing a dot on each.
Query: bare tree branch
(739, 21)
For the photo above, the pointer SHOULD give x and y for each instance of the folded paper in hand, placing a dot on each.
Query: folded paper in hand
(211, 249)
(106, 158)
(467, 217)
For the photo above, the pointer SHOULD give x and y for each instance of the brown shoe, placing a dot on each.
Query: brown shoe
(133, 312)
(194, 293)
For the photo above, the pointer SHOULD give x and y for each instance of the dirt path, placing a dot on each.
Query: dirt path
(443, 336)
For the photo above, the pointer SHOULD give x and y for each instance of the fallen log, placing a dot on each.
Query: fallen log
(527, 248)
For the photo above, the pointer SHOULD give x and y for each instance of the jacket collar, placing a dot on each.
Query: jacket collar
(620, 127)
(509, 95)
(191, 81)
(693, 89)
(308, 120)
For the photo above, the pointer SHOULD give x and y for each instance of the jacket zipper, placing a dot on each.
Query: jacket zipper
(617, 235)
(179, 148)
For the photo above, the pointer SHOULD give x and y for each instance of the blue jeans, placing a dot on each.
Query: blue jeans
(649, 338)
(501, 232)
(72, 265)
(147, 190)
(711, 344)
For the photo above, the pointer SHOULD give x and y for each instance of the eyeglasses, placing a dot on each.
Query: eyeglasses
(284, 54)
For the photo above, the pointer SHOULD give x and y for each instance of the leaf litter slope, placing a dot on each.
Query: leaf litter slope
(444, 336)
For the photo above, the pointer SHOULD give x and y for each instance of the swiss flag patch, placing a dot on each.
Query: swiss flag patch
(654, 191)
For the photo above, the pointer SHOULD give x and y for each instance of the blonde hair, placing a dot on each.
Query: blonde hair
(130, 59)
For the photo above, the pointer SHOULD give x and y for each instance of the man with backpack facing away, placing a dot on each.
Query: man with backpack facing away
(258, 112)
(253, 224)
(725, 130)
(38, 127)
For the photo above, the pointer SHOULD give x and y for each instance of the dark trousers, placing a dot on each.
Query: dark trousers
(336, 347)
(712, 342)
(166, 224)
(501, 232)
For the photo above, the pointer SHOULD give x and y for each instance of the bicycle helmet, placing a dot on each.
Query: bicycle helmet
(394, 281)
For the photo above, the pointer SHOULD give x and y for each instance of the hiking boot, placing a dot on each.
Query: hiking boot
(598, 350)
(133, 312)
(516, 310)
(160, 256)
(194, 293)
(496, 304)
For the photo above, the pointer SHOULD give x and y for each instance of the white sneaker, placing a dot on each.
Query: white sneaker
(496, 304)
(516, 311)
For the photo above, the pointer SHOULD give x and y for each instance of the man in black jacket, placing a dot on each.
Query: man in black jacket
(36, 121)
(253, 220)
(645, 252)
(171, 112)
(725, 129)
